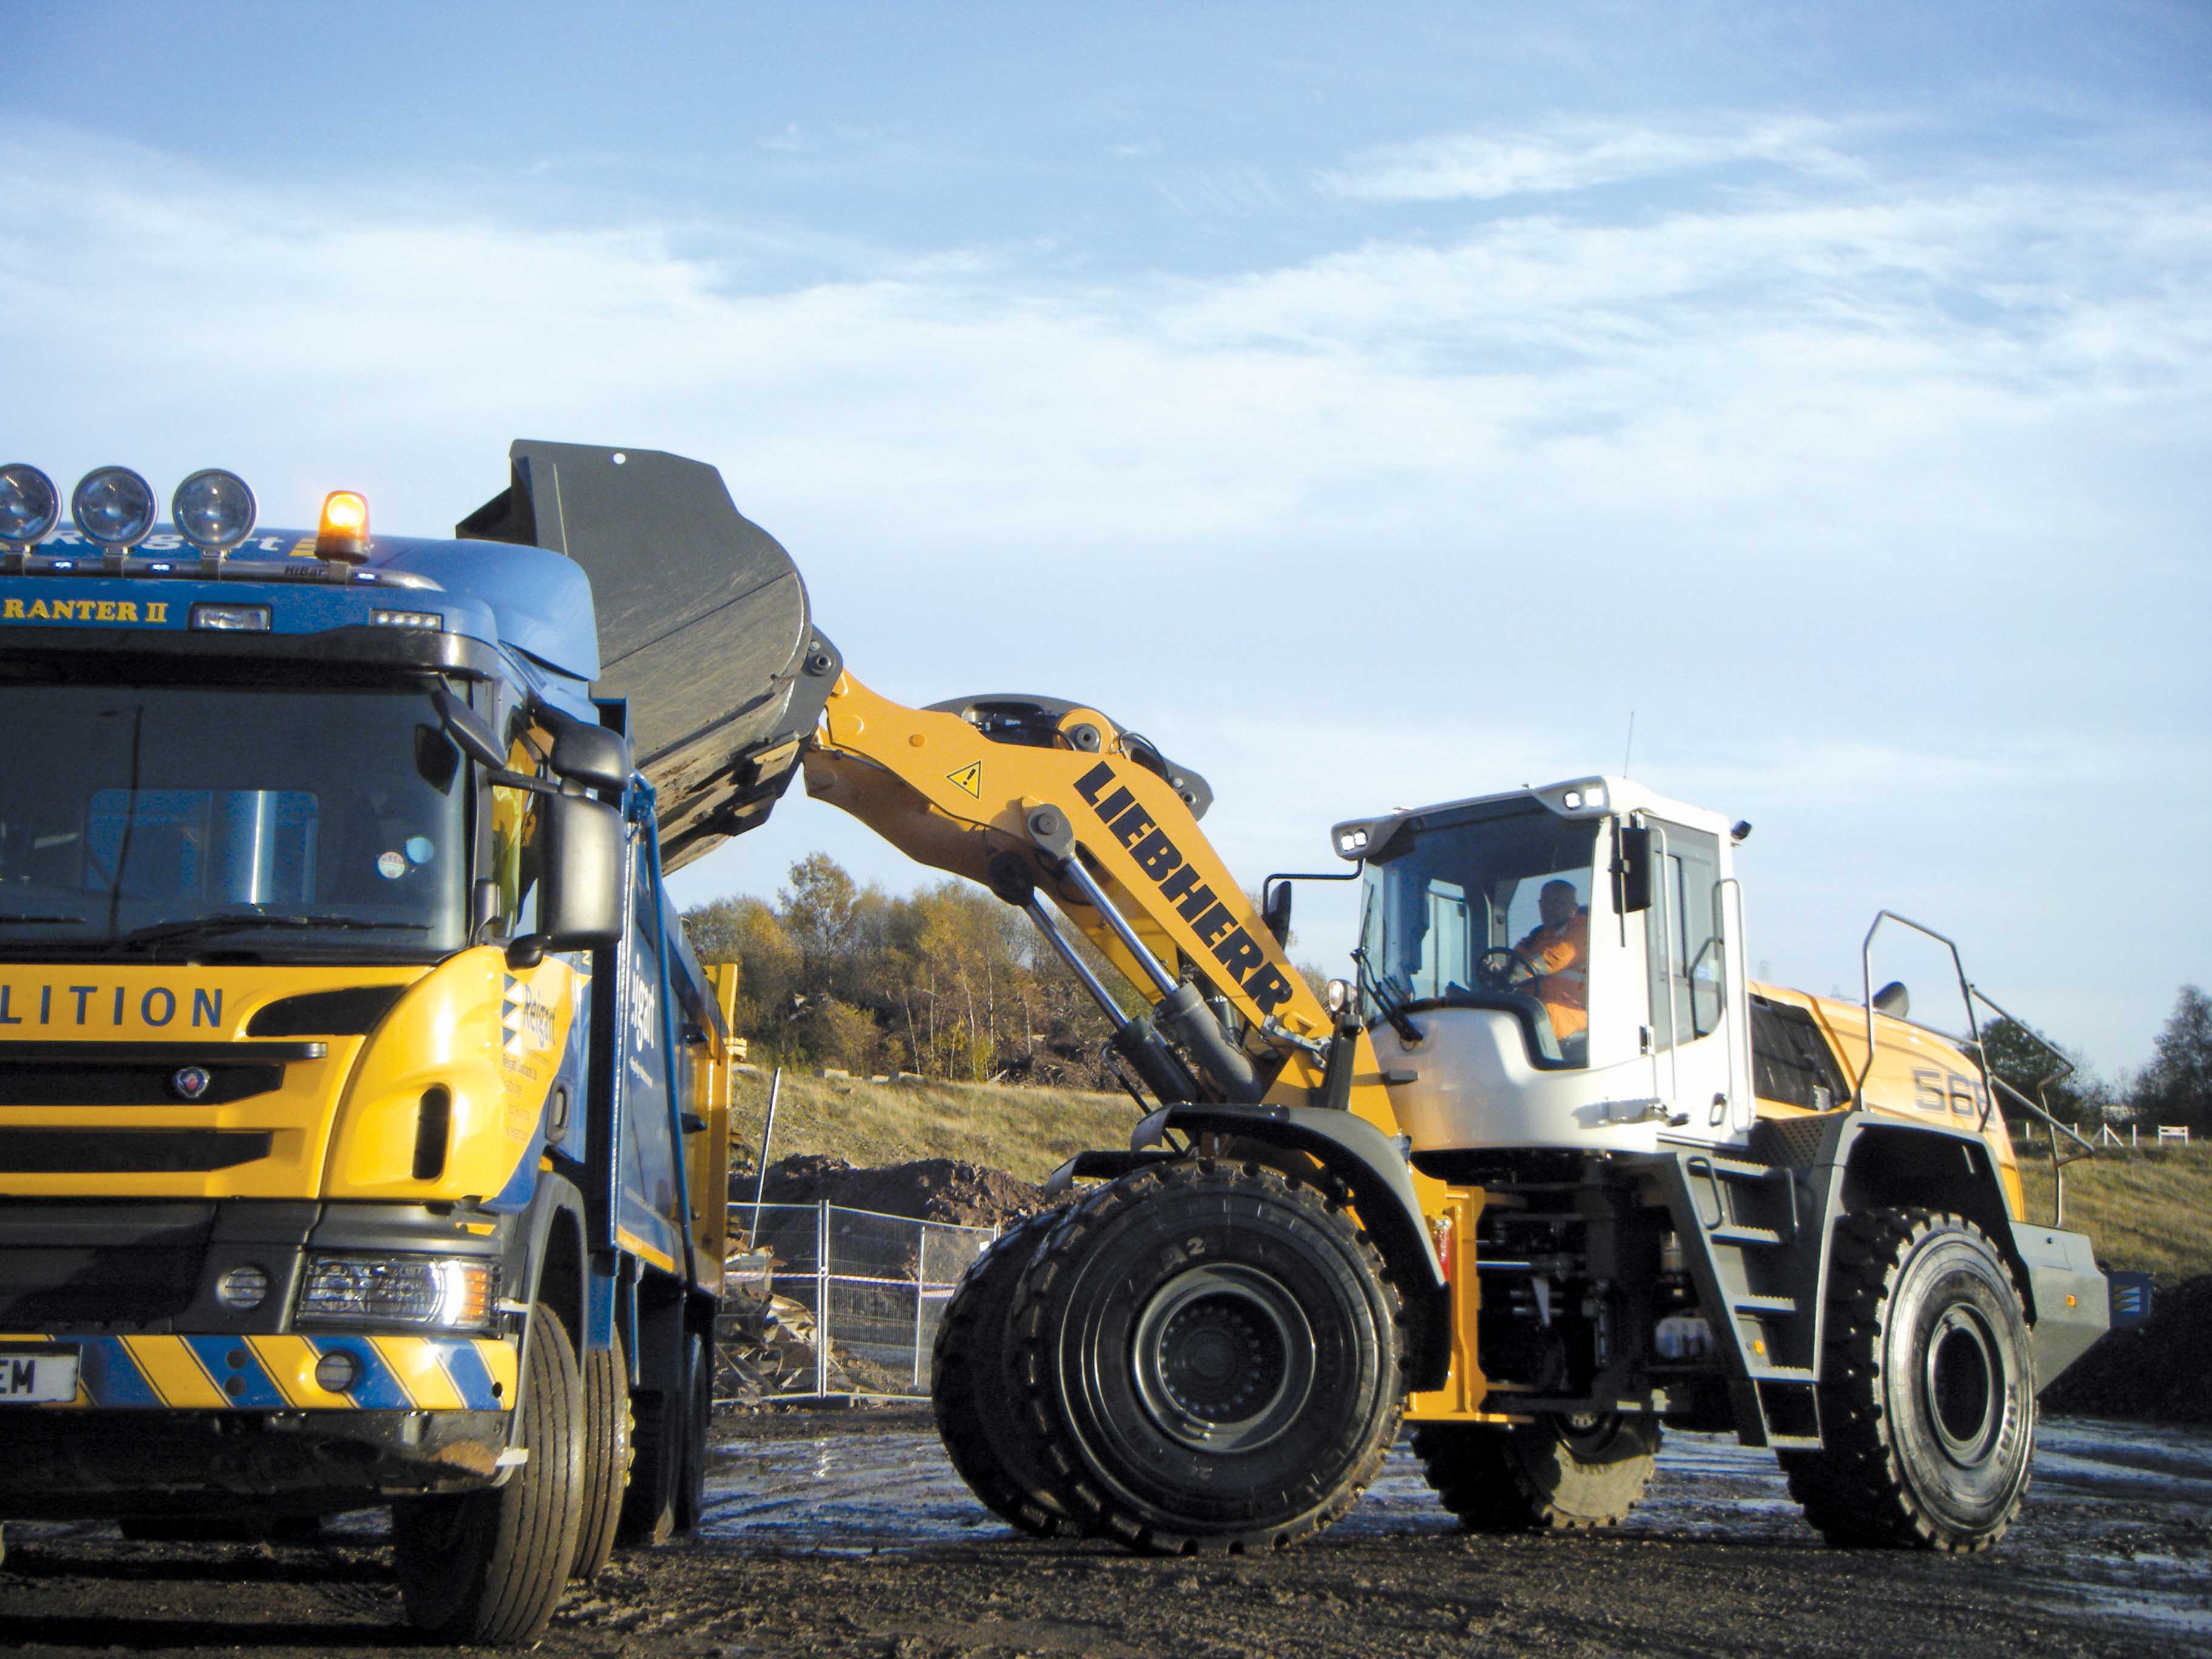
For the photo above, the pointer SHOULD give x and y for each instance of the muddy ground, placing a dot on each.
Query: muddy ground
(847, 1533)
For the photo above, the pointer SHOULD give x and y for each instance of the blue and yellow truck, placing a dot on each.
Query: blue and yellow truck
(362, 1106)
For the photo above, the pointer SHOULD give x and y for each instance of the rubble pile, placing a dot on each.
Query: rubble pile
(928, 1189)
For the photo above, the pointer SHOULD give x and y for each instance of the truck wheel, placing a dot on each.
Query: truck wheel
(1927, 1388)
(698, 1426)
(971, 1387)
(1556, 1473)
(488, 1566)
(606, 1455)
(667, 1474)
(1209, 1359)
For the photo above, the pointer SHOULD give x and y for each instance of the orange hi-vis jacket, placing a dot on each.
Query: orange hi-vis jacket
(1560, 957)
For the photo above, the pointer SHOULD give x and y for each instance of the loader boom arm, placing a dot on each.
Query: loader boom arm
(1073, 786)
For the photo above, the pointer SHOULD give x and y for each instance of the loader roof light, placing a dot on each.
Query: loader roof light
(213, 510)
(1350, 844)
(1589, 798)
(29, 505)
(113, 506)
(343, 532)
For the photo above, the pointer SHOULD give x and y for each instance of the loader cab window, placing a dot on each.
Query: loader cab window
(1683, 951)
(1487, 906)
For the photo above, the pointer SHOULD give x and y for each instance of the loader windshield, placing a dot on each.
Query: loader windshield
(1487, 907)
(270, 821)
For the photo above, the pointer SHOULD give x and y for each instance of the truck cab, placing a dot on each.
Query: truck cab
(362, 1106)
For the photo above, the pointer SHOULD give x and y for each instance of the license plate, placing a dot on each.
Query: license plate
(33, 1376)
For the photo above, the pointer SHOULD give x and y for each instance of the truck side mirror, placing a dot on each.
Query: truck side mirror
(1631, 871)
(591, 754)
(580, 892)
(469, 729)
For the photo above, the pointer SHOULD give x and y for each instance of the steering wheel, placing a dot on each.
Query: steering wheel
(1500, 967)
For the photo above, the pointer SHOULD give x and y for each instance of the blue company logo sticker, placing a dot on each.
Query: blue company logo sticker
(79, 1006)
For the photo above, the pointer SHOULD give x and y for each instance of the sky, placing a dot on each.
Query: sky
(1372, 407)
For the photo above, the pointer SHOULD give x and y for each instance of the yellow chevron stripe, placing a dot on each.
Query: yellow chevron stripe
(290, 1362)
(415, 1363)
(175, 1373)
(500, 1364)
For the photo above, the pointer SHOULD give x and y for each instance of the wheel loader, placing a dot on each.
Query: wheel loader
(1546, 1175)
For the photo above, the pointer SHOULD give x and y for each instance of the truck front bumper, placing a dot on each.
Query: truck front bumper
(162, 1423)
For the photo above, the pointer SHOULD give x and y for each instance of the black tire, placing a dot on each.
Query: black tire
(488, 1566)
(1554, 1474)
(667, 1470)
(607, 1423)
(1927, 1388)
(972, 1392)
(698, 1425)
(1209, 1359)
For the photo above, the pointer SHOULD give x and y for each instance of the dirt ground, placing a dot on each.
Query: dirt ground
(845, 1533)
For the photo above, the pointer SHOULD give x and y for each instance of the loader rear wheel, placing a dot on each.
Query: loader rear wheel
(1927, 1388)
(607, 1427)
(972, 1387)
(488, 1566)
(1554, 1474)
(1209, 1359)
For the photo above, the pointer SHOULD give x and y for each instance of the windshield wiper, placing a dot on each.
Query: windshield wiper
(1388, 1002)
(167, 932)
(25, 921)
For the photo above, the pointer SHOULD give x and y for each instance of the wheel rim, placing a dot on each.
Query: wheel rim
(1224, 1359)
(1963, 1385)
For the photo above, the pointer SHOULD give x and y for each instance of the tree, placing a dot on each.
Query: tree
(2023, 1057)
(2176, 1087)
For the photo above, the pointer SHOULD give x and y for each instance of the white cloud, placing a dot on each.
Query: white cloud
(1874, 496)
(1578, 155)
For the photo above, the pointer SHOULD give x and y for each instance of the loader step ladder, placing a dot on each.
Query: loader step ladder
(1738, 1226)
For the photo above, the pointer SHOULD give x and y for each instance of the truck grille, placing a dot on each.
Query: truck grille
(66, 1265)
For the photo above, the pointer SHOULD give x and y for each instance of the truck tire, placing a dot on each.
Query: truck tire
(971, 1387)
(1554, 1474)
(1208, 1360)
(698, 1426)
(607, 1425)
(488, 1566)
(1927, 1388)
(668, 1470)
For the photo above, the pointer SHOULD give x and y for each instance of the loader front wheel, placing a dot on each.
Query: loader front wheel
(488, 1566)
(1209, 1359)
(972, 1387)
(1553, 1474)
(1927, 1388)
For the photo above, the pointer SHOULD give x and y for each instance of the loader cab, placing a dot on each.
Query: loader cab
(1554, 967)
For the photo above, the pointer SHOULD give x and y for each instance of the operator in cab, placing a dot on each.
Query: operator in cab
(1556, 955)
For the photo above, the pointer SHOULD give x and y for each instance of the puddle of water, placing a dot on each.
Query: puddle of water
(859, 1494)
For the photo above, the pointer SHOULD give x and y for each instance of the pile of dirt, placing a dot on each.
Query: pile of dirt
(2155, 1371)
(929, 1189)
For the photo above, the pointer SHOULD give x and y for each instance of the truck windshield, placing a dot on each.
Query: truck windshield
(261, 821)
(1487, 906)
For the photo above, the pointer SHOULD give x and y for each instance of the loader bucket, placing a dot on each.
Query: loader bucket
(704, 625)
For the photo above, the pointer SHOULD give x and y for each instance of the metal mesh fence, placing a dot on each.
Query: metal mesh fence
(825, 1300)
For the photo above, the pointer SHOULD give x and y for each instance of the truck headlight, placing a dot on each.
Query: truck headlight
(451, 1293)
(29, 504)
(213, 510)
(113, 506)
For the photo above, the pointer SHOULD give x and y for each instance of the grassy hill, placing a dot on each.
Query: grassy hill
(2151, 1212)
(1027, 1131)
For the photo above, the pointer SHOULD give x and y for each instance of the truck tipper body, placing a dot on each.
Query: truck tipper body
(352, 1058)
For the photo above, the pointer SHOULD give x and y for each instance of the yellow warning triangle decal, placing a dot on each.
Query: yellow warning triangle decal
(970, 778)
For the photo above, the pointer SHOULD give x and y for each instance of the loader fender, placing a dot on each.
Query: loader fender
(1854, 1161)
(1375, 1173)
